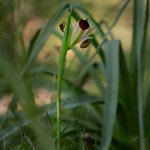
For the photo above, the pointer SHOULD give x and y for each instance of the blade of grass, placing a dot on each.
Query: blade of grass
(144, 41)
(125, 80)
(95, 144)
(133, 58)
(107, 27)
(147, 101)
(50, 122)
(111, 97)
(139, 33)
(113, 8)
(83, 132)
(69, 125)
(34, 39)
(147, 114)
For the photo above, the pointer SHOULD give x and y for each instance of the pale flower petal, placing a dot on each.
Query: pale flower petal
(85, 38)
(85, 43)
(86, 33)
(75, 28)
(90, 31)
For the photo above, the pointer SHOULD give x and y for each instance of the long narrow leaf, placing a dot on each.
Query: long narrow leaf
(139, 27)
(111, 98)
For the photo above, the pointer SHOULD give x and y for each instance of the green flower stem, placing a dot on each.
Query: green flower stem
(61, 66)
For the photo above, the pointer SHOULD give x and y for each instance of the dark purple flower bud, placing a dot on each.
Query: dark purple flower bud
(84, 24)
(85, 43)
(62, 27)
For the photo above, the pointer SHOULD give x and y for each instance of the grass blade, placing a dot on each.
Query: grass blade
(144, 41)
(111, 97)
(139, 30)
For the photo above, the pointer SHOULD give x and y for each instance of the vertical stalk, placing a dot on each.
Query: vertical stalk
(61, 66)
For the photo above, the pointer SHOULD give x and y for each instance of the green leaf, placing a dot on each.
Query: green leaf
(139, 36)
(111, 97)
(144, 40)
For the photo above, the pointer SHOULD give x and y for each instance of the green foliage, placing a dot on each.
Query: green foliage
(104, 100)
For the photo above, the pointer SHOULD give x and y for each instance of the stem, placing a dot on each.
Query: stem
(59, 83)
(61, 66)
(58, 122)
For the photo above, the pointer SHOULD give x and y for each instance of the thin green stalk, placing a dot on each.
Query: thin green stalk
(61, 66)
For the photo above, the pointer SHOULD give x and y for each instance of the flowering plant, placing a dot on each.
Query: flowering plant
(79, 33)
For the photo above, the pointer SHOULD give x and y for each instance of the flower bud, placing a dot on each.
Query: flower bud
(85, 43)
(62, 26)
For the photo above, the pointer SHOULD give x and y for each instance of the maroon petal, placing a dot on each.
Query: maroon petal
(85, 43)
(62, 27)
(84, 24)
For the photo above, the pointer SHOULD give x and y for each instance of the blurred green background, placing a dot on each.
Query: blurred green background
(19, 22)
(20, 19)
